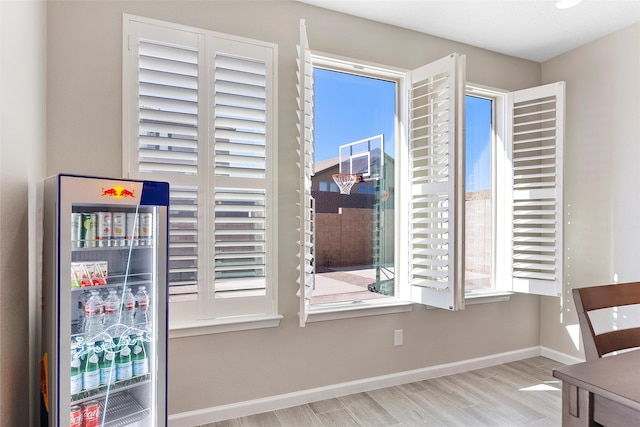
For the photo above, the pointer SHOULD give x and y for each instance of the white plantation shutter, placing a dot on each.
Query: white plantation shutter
(436, 163)
(537, 124)
(183, 244)
(203, 123)
(168, 133)
(168, 108)
(240, 202)
(306, 152)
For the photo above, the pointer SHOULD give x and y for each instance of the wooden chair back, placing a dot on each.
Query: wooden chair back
(607, 296)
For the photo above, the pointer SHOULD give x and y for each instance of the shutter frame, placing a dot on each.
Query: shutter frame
(536, 152)
(306, 217)
(436, 244)
(178, 145)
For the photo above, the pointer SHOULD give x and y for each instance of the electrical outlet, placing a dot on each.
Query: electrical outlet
(398, 337)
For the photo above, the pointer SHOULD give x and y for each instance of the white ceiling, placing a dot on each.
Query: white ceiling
(530, 29)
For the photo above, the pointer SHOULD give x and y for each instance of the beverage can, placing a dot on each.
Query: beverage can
(133, 229)
(88, 232)
(104, 229)
(146, 228)
(91, 411)
(119, 231)
(77, 418)
(76, 230)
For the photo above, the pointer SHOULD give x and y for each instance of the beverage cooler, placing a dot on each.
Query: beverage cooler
(104, 302)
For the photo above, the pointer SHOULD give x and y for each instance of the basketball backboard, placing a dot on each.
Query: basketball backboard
(363, 158)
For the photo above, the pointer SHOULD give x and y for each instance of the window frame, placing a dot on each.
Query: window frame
(208, 314)
(502, 284)
(499, 188)
(378, 306)
(396, 304)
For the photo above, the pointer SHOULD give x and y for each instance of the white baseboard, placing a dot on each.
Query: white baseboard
(272, 403)
(559, 357)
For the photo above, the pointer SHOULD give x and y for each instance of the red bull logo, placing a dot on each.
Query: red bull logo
(118, 192)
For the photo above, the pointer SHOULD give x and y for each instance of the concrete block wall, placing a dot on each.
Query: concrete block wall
(345, 238)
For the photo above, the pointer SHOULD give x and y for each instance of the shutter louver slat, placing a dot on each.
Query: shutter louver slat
(239, 136)
(253, 106)
(159, 105)
(160, 80)
(245, 149)
(158, 116)
(180, 96)
(171, 53)
(244, 125)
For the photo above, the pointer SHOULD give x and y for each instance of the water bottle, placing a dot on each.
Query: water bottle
(82, 301)
(124, 367)
(108, 363)
(76, 371)
(112, 313)
(142, 305)
(128, 307)
(139, 357)
(94, 316)
(91, 368)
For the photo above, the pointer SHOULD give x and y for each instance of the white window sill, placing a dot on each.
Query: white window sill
(216, 326)
(486, 296)
(336, 311)
(347, 310)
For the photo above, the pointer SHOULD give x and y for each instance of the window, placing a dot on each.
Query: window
(354, 124)
(199, 113)
(479, 148)
(524, 162)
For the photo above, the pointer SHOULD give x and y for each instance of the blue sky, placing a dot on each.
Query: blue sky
(478, 129)
(349, 108)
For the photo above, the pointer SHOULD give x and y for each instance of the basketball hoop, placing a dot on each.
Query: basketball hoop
(345, 181)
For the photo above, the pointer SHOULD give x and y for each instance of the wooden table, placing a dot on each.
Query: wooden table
(606, 391)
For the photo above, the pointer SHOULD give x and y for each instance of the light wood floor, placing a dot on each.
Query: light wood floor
(522, 393)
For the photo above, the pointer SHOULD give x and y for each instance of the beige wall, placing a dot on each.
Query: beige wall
(602, 155)
(84, 128)
(22, 143)
(83, 118)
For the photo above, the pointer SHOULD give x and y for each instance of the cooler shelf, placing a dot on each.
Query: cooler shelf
(105, 390)
(122, 410)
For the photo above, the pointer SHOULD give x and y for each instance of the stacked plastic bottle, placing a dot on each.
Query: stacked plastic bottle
(82, 302)
(142, 306)
(128, 308)
(112, 313)
(94, 316)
